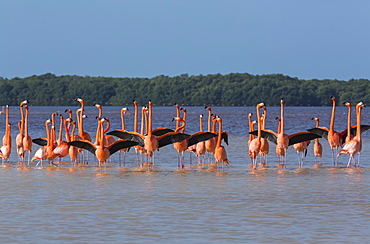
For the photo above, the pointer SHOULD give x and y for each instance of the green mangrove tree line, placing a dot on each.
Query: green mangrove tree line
(235, 89)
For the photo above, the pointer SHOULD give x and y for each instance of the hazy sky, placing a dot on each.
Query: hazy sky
(136, 38)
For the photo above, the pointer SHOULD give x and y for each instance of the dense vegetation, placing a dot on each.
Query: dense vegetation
(233, 89)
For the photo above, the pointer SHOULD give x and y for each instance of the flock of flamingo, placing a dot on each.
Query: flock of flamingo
(145, 142)
(148, 140)
(349, 139)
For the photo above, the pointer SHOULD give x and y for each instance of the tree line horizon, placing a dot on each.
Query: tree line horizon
(234, 89)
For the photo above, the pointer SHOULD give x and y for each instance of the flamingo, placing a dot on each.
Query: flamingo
(279, 152)
(110, 139)
(200, 148)
(6, 148)
(73, 151)
(51, 145)
(41, 153)
(354, 145)
(70, 119)
(317, 147)
(27, 141)
(301, 148)
(349, 136)
(255, 145)
(101, 151)
(264, 150)
(83, 134)
(251, 136)
(251, 128)
(6, 139)
(19, 137)
(138, 149)
(62, 149)
(180, 146)
(283, 140)
(220, 151)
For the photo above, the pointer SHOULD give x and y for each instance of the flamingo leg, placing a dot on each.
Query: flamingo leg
(284, 157)
(332, 157)
(349, 161)
(299, 159)
(358, 159)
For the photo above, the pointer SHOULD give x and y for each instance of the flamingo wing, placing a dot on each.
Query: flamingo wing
(128, 136)
(84, 144)
(170, 138)
(267, 134)
(225, 137)
(161, 131)
(40, 141)
(363, 129)
(301, 136)
(118, 145)
(199, 137)
(321, 131)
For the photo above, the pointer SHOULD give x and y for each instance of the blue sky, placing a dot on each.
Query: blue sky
(306, 39)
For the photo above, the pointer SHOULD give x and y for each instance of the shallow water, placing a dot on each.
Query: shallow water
(234, 204)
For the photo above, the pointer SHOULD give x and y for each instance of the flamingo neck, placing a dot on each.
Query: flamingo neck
(7, 115)
(108, 127)
(200, 123)
(60, 137)
(48, 133)
(218, 144)
(317, 125)
(177, 115)
(209, 119)
(184, 117)
(123, 120)
(68, 136)
(332, 116)
(282, 119)
(102, 144)
(26, 123)
(21, 130)
(73, 131)
(100, 112)
(181, 127)
(142, 121)
(7, 131)
(349, 123)
(358, 129)
(259, 126)
(150, 119)
(136, 116)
